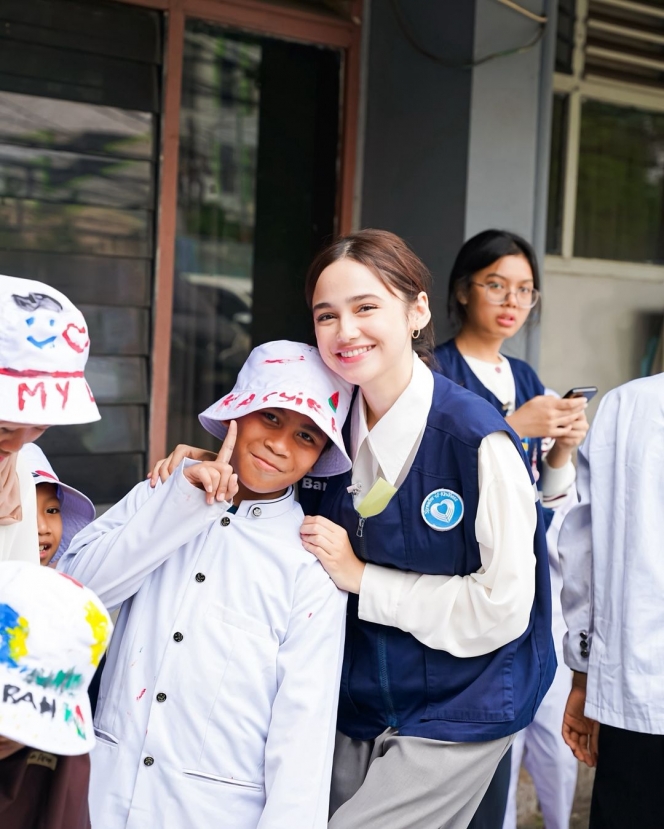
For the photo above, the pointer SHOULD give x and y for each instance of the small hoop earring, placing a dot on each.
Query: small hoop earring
(416, 334)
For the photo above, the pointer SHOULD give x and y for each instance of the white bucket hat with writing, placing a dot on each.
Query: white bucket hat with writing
(76, 509)
(44, 346)
(53, 633)
(288, 375)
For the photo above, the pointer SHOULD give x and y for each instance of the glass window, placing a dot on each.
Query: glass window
(554, 221)
(212, 309)
(256, 197)
(620, 206)
(79, 112)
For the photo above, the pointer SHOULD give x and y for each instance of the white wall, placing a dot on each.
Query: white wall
(594, 327)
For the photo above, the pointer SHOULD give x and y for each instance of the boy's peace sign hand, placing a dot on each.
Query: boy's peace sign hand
(217, 477)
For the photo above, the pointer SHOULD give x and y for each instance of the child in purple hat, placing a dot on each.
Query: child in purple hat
(62, 511)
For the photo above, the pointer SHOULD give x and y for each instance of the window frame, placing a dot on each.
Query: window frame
(576, 88)
(259, 17)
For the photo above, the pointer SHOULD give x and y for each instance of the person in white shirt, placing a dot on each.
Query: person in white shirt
(44, 346)
(613, 583)
(218, 701)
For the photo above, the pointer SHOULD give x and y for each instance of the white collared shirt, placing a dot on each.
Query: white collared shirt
(388, 450)
(464, 615)
(223, 670)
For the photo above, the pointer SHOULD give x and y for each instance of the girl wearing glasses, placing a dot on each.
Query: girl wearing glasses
(493, 289)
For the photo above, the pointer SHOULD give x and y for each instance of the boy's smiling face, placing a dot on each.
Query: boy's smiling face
(49, 522)
(274, 449)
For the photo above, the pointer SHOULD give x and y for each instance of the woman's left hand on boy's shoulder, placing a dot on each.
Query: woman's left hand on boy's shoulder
(329, 543)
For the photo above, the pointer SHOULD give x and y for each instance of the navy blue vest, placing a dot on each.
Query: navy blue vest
(389, 678)
(526, 382)
(527, 385)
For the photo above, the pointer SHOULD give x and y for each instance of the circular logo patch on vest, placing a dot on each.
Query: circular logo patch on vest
(442, 509)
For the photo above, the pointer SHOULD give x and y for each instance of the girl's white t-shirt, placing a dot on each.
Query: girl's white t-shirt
(498, 378)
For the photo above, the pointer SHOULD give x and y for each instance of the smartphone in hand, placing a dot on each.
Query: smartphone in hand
(581, 391)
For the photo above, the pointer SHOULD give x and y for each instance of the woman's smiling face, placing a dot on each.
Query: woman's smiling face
(363, 329)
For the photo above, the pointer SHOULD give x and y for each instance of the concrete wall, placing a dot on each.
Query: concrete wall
(451, 151)
(508, 156)
(594, 328)
(417, 130)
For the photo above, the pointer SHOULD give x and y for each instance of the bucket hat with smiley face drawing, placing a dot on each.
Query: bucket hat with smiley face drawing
(44, 346)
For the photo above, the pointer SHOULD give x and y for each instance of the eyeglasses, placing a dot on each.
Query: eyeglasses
(497, 294)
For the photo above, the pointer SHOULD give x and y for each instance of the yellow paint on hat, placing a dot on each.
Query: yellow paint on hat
(98, 622)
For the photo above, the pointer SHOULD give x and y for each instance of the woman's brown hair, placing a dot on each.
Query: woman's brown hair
(389, 258)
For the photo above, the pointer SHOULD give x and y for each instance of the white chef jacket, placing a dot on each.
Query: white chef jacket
(20, 541)
(218, 701)
(612, 563)
(464, 615)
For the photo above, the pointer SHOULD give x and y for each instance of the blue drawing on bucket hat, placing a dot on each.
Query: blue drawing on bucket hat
(442, 509)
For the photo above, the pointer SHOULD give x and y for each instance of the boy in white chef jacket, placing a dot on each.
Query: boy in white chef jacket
(218, 702)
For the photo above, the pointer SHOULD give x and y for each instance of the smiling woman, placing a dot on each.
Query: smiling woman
(448, 643)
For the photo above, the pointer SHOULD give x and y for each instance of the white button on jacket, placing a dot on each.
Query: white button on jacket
(218, 702)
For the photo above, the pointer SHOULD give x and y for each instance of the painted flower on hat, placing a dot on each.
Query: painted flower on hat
(14, 631)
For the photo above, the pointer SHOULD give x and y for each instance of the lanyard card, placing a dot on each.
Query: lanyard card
(375, 501)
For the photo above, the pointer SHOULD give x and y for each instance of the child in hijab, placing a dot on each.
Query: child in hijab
(44, 347)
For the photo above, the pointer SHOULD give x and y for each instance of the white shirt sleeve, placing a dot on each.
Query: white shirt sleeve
(475, 614)
(556, 481)
(575, 547)
(115, 553)
(300, 740)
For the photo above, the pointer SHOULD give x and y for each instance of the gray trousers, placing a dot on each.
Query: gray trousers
(396, 782)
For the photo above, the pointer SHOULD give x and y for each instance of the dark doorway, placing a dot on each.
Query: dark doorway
(257, 193)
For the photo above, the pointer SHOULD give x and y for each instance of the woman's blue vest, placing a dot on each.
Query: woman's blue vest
(389, 678)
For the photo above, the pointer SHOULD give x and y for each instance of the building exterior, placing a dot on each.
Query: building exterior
(173, 165)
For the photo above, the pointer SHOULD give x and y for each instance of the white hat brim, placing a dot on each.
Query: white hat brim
(44, 400)
(33, 724)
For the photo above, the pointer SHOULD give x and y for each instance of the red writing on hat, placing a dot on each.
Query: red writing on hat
(77, 339)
